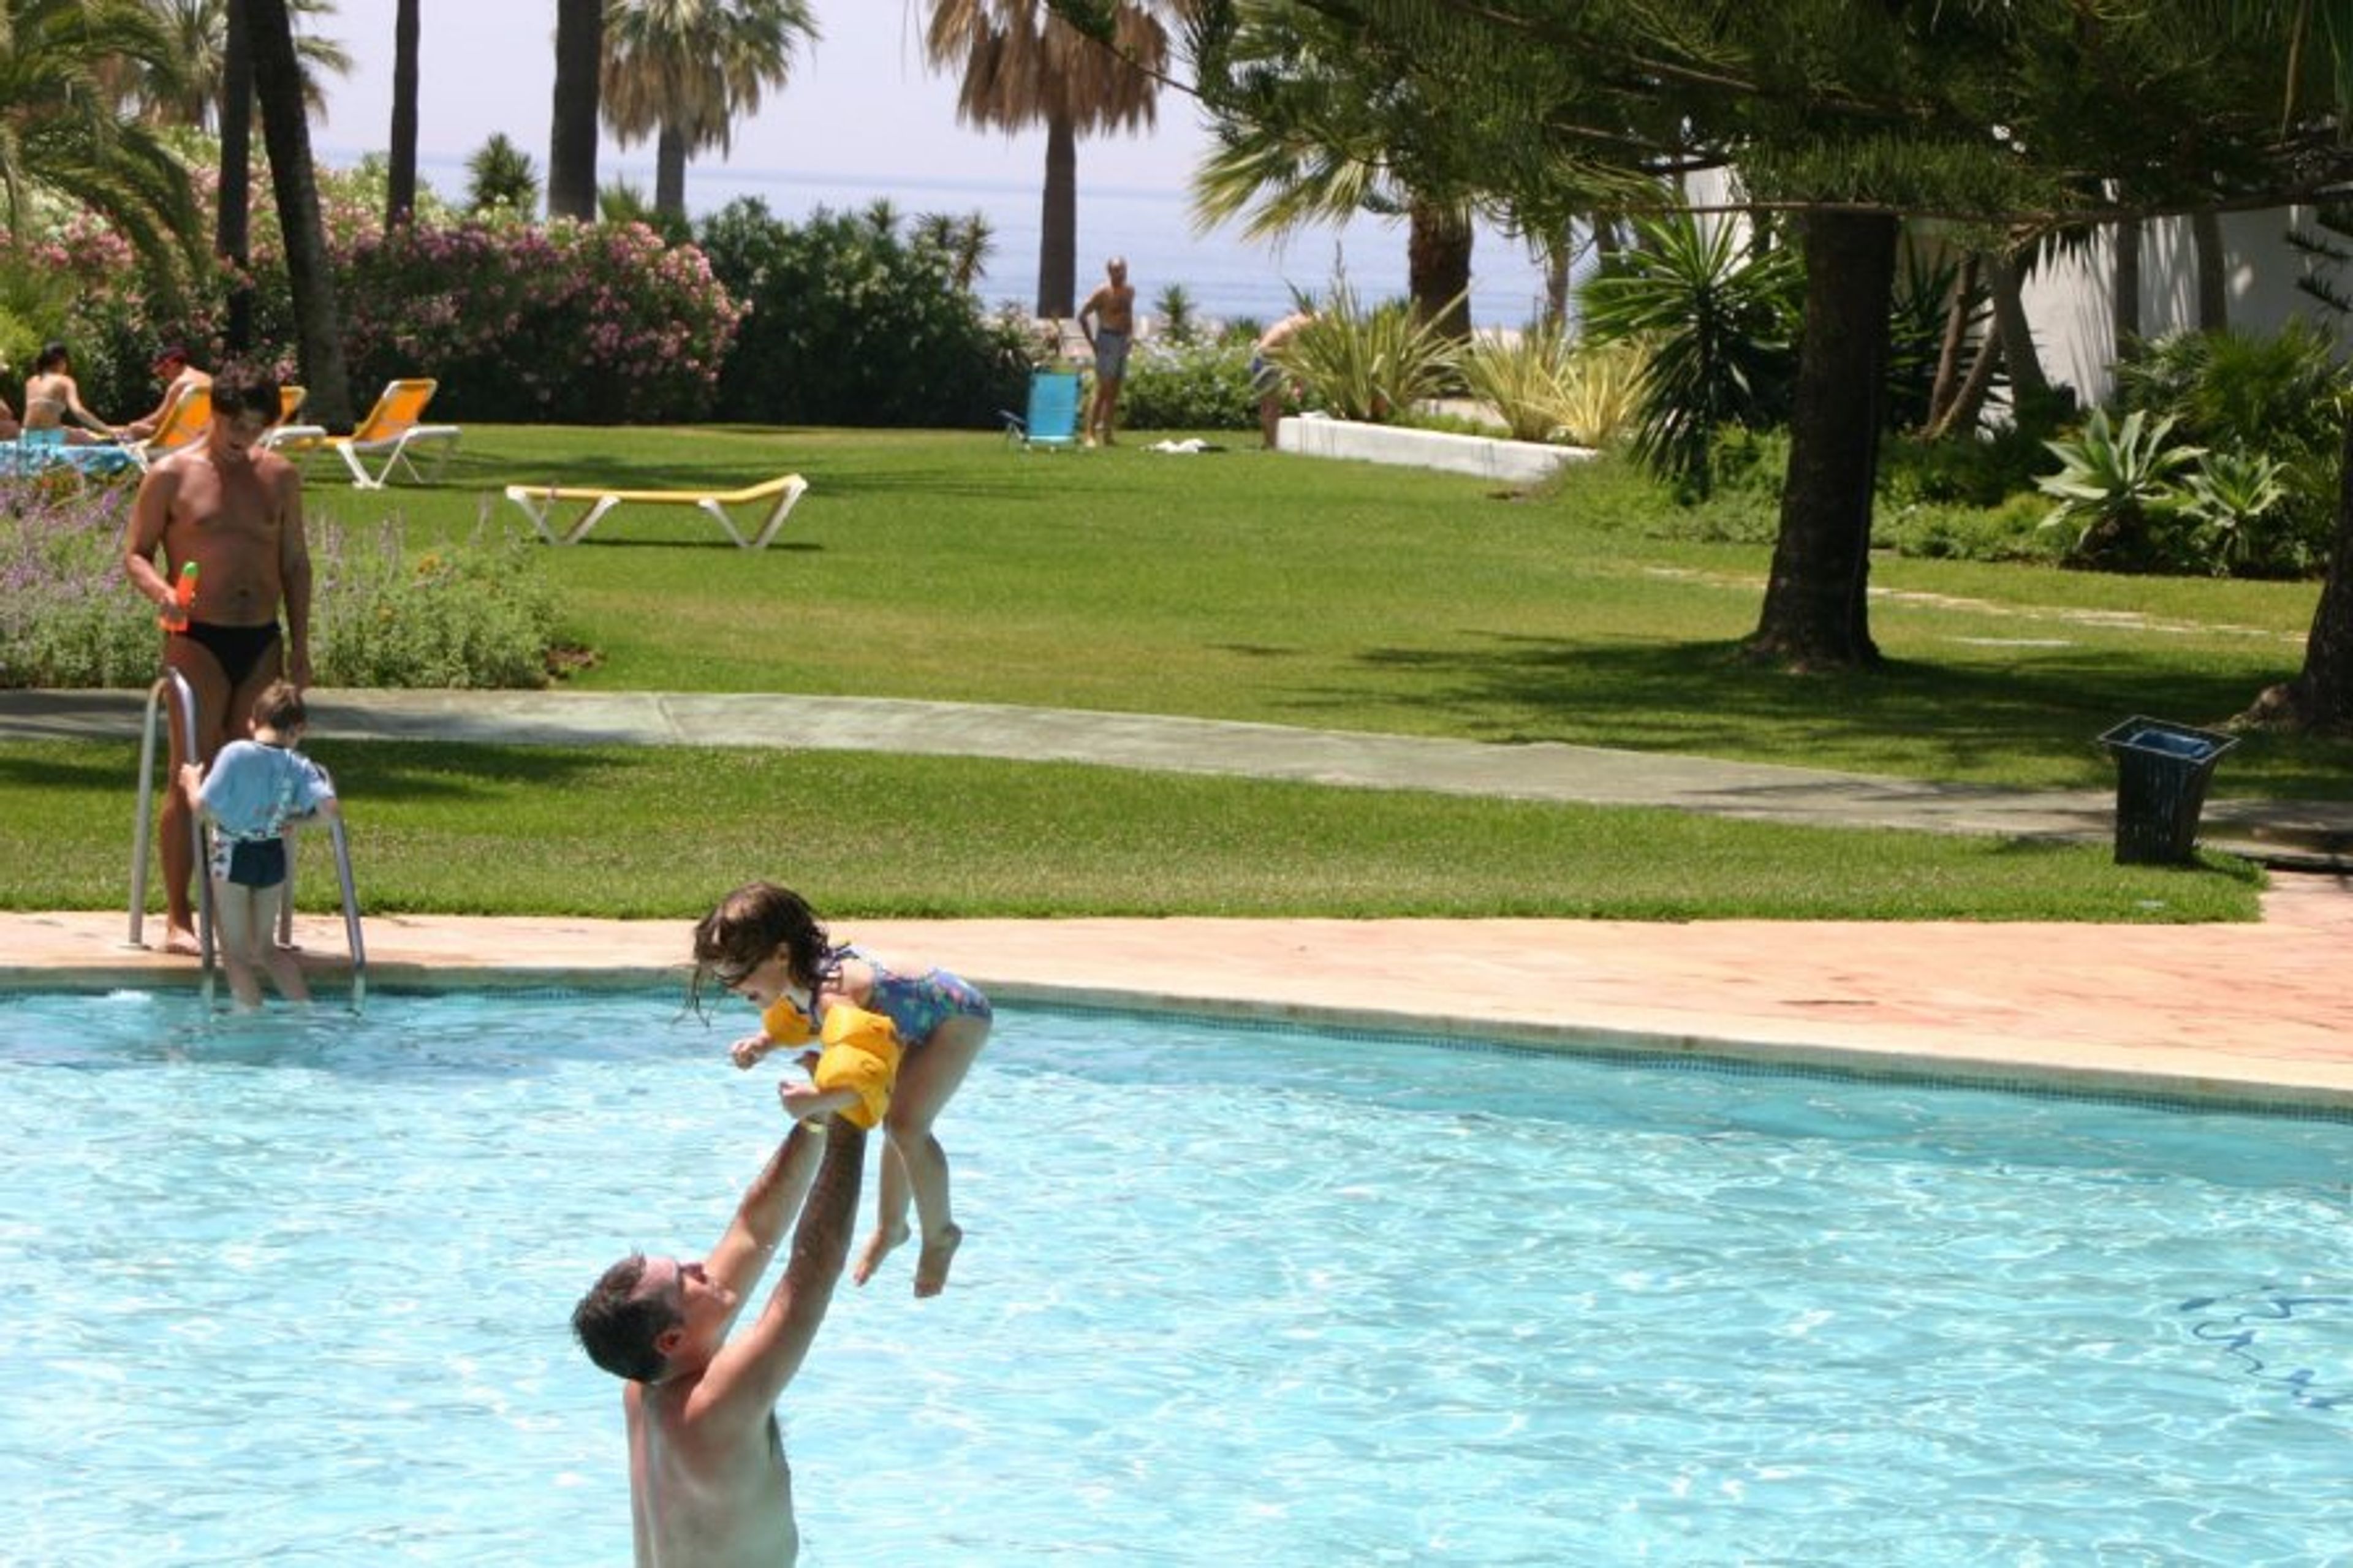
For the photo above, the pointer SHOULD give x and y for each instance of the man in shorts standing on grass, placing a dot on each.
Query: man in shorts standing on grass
(1108, 319)
(234, 511)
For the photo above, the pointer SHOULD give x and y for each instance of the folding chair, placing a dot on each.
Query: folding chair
(1052, 419)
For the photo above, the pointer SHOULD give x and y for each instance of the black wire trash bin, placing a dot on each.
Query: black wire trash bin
(2162, 774)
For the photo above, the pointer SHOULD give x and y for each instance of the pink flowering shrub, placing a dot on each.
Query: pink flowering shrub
(556, 323)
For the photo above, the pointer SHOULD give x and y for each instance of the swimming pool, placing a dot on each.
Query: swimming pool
(295, 1292)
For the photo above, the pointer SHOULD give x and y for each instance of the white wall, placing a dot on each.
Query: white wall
(2067, 302)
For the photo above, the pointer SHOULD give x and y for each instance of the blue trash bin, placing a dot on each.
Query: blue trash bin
(2161, 776)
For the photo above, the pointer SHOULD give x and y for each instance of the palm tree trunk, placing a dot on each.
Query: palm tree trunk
(1815, 613)
(2028, 385)
(400, 185)
(286, 129)
(572, 139)
(1058, 222)
(2125, 304)
(1437, 265)
(232, 218)
(2213, 271)
(669, 172)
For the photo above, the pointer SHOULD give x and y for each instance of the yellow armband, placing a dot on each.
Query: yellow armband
(861, 1054)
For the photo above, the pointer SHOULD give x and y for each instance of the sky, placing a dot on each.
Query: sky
(860, 105)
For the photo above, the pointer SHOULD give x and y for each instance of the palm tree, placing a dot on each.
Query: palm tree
(1311, 150)
(286, 129)
(1022, 67)
(62, 137)
(501, 175)
(190, 94)
(683, 72)
(572, 136)
(400, 185)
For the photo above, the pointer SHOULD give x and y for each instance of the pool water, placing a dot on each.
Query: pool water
(290, 1290)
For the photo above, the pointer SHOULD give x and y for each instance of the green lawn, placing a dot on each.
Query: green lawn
(1284, 590)
(646, 832)
(1250, 586)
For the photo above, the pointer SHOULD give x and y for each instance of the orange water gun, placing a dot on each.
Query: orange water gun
(175, 616)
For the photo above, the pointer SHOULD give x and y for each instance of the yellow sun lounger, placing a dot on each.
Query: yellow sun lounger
(539, 501)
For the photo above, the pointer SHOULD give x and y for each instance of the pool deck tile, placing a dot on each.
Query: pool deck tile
(2254, 1013)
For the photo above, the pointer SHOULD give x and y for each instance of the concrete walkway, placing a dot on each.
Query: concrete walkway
(1543, 771)
(2249, 1014)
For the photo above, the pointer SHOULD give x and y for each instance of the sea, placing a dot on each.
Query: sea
(1226, 275)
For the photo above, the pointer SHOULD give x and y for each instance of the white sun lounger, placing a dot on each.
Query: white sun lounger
(539, 503)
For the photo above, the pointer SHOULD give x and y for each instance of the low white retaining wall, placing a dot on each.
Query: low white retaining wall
(1509, 462)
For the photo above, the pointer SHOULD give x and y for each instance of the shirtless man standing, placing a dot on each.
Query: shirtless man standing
(709, 1487)
(1108, 318)
(236, 512)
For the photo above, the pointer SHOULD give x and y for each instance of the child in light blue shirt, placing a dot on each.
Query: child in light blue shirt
(252, 793)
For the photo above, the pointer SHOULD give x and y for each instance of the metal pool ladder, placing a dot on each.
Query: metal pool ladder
(182, 712)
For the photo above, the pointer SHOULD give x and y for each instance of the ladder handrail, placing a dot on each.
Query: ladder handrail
(184, 706)
(340, 842)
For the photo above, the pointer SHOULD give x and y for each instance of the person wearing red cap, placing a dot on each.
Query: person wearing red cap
(171, 367)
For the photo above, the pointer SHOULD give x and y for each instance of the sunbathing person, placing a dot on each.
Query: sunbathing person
(52, 396)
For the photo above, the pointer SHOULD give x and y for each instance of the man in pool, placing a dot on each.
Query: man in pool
(708, 1481)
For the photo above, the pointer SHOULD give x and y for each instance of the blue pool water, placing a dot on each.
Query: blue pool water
(295, 1292)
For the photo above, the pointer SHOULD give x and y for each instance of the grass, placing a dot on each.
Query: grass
(1238, 586)
(631, 831)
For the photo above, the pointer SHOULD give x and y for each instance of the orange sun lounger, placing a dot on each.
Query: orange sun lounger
(539, 503)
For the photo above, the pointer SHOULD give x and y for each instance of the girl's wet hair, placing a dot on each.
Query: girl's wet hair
(747, 926)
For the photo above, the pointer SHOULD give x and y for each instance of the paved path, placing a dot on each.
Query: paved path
(1544, 771)
(2252, 1013)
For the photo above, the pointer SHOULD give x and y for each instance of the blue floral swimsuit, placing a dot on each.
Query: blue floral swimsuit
(916, 1005)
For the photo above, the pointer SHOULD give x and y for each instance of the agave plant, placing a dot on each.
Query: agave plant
(2234, 498)
(1522, 377)
(2114, 487)
(1367, 365)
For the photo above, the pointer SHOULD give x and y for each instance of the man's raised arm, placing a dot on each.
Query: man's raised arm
(746, 1376)
(768, 1206)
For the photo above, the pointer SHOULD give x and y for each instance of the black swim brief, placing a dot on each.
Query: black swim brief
(255, 862)
(238, 651)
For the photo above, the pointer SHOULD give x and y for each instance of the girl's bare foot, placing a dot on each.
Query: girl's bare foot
(878, 1246)
(931, 1267)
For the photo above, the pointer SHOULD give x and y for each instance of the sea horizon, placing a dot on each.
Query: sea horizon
(1227, 276)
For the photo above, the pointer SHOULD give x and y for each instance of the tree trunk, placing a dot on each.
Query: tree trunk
(1560, 257)
(1946, 391)
(2126, 297)
(1058, 223)
(2028, 384)
(2213, 271)
(1815, 613)
(2321, 695)
(232, 220)
(1969, 402)
(572, 139)
(1437, 265)
(670, 173)
(400, 188)
(286, 130)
